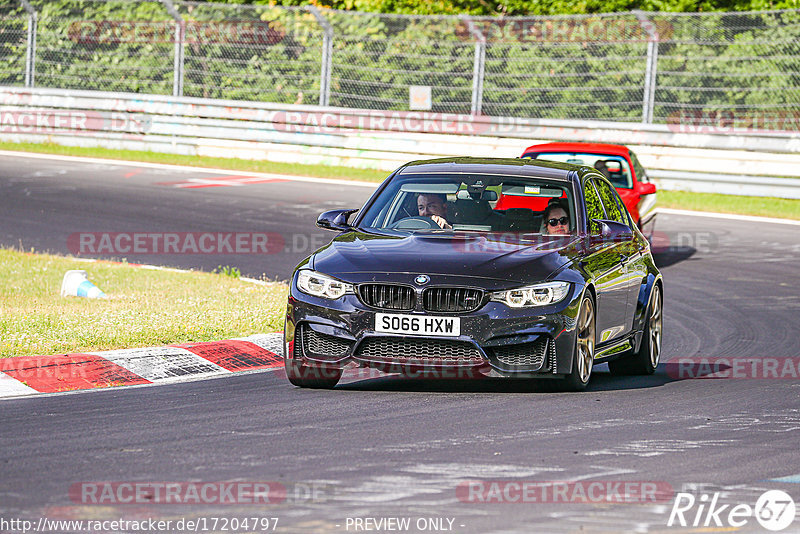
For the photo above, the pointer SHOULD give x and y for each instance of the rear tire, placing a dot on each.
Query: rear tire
(583, 359)
(645, 361)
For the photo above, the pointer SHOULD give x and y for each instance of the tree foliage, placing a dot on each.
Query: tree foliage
(589, 67)
(538, 7)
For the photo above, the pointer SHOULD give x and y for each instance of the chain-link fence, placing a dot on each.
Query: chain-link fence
(14, 32)
(635, 66)
(115, 45)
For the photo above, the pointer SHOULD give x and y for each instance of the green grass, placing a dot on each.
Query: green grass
(772, 207)
(144, 307)
(763, 206)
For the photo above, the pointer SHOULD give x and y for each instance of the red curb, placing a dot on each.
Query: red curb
(66, 372)
(235, 355)
(75, 371)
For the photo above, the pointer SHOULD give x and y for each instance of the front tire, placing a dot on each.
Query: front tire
(583, 360)
(304, 376)
(645, 361)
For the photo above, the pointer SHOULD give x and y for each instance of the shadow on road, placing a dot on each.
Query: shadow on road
(602, 380)
(664, 257)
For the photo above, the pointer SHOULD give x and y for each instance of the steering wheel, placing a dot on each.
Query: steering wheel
(417, 222)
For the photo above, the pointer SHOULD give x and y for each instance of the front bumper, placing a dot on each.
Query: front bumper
(495, 340)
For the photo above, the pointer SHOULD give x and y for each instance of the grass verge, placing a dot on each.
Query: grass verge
(762, 206)
(770, 207)
(145, 307)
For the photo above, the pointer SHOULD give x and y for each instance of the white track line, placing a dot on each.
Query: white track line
(165, 166)
(170, 269)
(731, 216)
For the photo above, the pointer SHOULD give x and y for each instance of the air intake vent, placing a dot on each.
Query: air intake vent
(422, 351)
(320, 346)
(533, 355)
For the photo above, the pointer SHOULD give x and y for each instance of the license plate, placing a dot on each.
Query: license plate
(422, 325)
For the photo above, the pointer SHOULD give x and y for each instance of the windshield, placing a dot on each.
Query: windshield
(473, 203)
(615, 168)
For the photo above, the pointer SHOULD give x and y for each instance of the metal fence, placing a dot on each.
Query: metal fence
(722, 69)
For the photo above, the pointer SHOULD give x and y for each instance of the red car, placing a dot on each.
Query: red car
(619, 164)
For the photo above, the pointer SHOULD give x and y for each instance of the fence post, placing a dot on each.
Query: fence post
(30, 53)
(327, 56)
(478, 67)
(180, 37)
(651, 67)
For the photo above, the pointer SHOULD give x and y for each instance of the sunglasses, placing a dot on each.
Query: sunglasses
(556, 222)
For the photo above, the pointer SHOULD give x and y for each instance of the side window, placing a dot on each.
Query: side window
(594, 208)
(641, 175)
(610, 202)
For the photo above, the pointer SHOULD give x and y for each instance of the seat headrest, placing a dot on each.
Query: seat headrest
(519, 214)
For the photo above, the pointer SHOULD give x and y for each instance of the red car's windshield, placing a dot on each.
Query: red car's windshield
(615, 168)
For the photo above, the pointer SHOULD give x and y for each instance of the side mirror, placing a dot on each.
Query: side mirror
(647, 188)
(335, 220)
(613, 230)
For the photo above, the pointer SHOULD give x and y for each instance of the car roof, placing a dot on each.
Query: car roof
(591, 148)
(501, 166)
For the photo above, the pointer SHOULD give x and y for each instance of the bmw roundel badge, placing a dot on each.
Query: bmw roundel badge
(422, 279)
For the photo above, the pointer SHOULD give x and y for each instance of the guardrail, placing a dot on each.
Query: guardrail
(688, 157)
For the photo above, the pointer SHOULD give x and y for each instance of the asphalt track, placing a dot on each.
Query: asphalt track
(387, 447)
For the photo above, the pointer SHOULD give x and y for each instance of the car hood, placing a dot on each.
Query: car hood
(357, 256)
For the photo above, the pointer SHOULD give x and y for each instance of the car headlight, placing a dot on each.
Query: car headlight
(320, 285)
(535, 295)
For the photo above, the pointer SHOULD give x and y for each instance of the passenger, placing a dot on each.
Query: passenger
(556, 218)
(433, 205)
(601, 166)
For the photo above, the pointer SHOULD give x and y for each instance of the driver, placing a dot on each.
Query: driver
(433, 205)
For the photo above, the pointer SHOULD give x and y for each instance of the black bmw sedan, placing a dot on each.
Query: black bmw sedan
(469, 267)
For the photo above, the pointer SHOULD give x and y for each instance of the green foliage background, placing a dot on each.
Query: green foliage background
(734, 63)
(535, 7)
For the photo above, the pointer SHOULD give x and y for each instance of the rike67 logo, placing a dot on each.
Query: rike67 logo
(774, 510)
